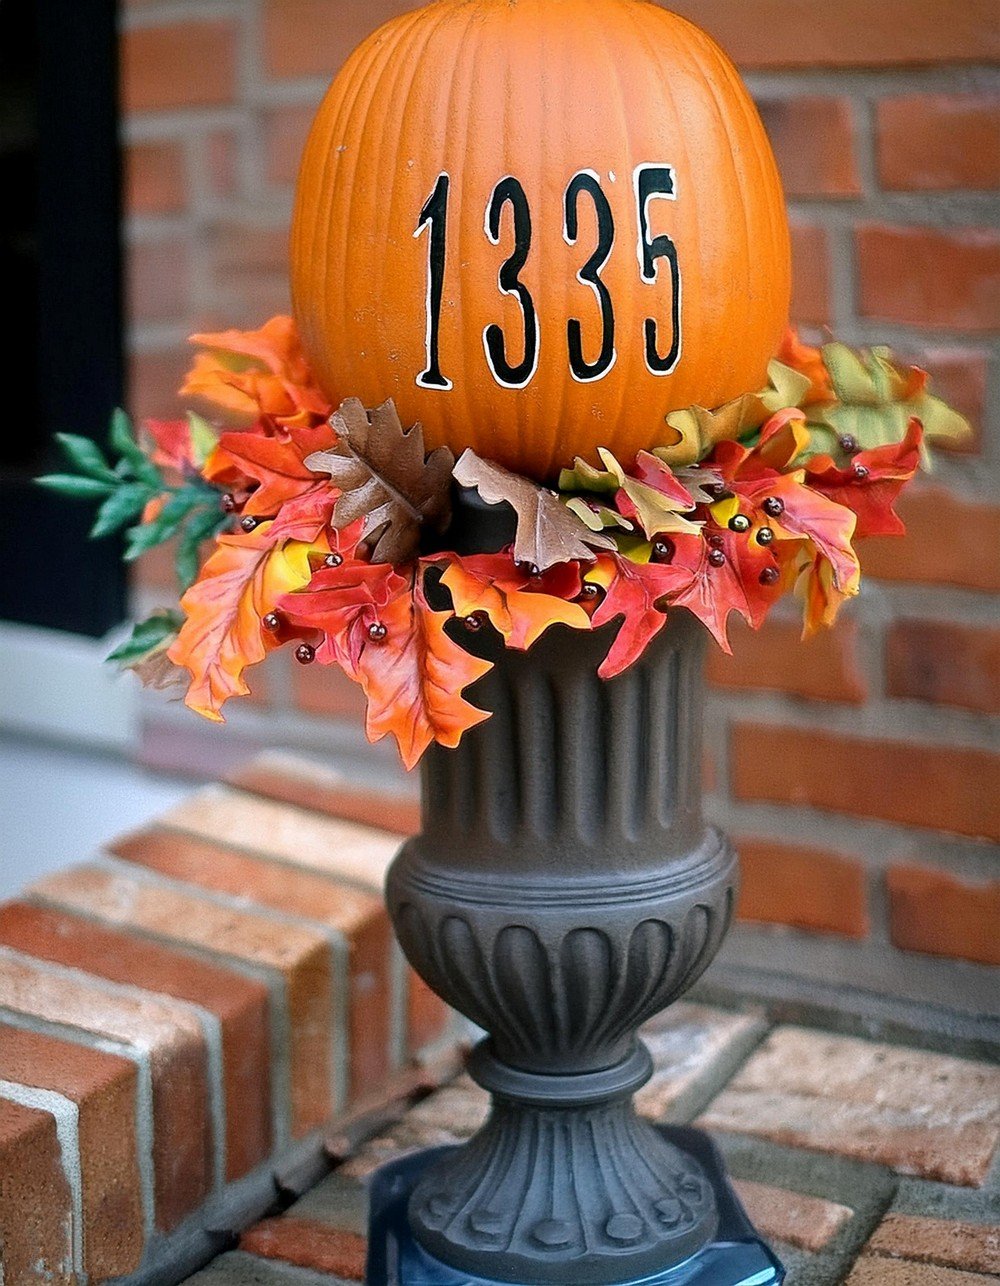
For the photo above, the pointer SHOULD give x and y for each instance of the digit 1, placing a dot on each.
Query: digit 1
(590, 275)
(435, 216)
(509, 191)
(658, 181)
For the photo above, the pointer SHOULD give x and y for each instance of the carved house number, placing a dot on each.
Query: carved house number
(649, 183)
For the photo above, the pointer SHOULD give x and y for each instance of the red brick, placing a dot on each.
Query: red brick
(298, 957)
(952, 1244)
(158, 276)
(852, 33)
(239, 1003)
(326, 690)
(307, 1243)
(926, 277)
(959, 376)
(932, 142)
(936, 913)
(360, 917)
(285, 130)
(923, 1114)
(185, 64)
(153, 381)
(813, 140)
(944, 662)
(154, 178)
(810, 275)
(310, 785)
(103, 1086)
(823, 668)
(304, 38)
(792, 1217)
(36, 1207)
(222, 157)
(948, 541)
(250, 266)
(172, 1038)
(939, 787)
(807, 888)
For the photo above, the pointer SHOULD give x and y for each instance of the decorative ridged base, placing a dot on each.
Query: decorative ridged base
(734, 1255)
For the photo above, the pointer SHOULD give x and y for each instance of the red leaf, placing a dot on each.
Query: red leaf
(871, 493)
(343, 603)
(414, 678)
(712, 591)
(275, 462)
(632, 591)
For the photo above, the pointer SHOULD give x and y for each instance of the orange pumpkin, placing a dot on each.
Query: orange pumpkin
(539, 226)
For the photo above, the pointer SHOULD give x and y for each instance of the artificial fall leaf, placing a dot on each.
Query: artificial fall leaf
(632, 591)
(711, 588)
(596, 516)
(415, 676)
(386, 478)
(786, 387)
(238, 586)
(547, 532)
(344, 603)
(180, 445)
(871, 483)
(695, 430)
(805, 360)
(272, 463)
(875, 402)
(519, 606)
(249, 374)
(821, 598)
(656, 499)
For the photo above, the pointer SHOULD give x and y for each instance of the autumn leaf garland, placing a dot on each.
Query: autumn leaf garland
(328, 525)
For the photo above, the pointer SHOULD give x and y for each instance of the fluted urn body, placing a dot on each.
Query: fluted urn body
(564, 888)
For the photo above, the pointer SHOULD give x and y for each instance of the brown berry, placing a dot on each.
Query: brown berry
(769, 576)
(774, 507)
(739, 522)
(716, 541)
(765, 536)
(377, 632)
(589, 592)
(716, 557)
(849, 443)
(663, 550)
(474, 623)
(248, 523)
(305, 654)
(333, 560)
(272, 622)
(860, 472)
(228, 503)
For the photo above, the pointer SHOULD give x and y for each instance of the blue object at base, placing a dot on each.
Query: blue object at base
(737, 1257)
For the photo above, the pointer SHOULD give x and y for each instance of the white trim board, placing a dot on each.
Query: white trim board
(58, 685)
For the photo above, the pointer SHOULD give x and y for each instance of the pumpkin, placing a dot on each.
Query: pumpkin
(540, 226)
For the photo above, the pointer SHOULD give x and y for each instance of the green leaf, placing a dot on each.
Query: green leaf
(122, 439)
(199, 528)
(146, 636)
(121, 507)
(166, 523)
(72, 484)
(86, 456)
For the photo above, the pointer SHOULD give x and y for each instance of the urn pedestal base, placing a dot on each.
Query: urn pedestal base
(735, 1257)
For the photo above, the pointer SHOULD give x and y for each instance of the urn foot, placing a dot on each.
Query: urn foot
(733, 1256)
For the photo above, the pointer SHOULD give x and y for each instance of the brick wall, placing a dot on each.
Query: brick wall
(861, 772)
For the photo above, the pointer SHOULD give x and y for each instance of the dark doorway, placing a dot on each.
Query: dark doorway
(60, 263)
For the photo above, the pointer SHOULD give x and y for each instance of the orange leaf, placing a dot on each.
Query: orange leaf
(258, 372)
(808, 361)
(239, 584)
(414, 678)
(521, 607)
(275, 462)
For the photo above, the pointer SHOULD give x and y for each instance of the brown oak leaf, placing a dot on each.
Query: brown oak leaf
(547, 531)
(386, 478)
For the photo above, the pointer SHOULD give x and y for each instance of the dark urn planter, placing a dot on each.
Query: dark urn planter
(564, 888)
